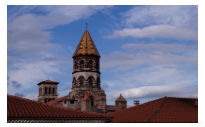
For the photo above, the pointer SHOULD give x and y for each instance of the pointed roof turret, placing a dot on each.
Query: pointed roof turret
(120, 98)
(86, 46)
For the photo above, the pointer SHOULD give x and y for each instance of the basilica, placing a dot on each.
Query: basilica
(86, 93)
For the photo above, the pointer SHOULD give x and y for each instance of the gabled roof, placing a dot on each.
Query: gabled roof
(86, 46)
(167, 109)
(24, 108)
(48, 82)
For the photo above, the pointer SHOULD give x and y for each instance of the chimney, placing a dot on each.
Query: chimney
(136, 102)
(85, 103)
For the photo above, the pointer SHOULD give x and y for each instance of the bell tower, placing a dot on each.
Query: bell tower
(47, 91)
(86, 74)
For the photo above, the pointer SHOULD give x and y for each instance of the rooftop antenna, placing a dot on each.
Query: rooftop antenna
(86, 25)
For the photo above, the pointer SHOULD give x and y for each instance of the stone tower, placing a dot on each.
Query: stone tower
(121, 102)
(47, 90)
(86, 74)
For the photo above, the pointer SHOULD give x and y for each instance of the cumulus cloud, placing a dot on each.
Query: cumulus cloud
(181, 16)
(157, 31)
(28, 31)
(156, 91)
(160, 47)
(165, 69)
(123, 60)
(32, 57)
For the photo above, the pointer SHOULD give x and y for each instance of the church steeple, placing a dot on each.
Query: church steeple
(86, 75)
(86, 46)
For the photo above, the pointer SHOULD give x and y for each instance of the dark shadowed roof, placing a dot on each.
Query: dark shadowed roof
(167, 109)
(24, 108)
(48, 82)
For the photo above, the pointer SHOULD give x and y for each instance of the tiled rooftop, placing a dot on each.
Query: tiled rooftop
(56, 100)
(24, 108)
(167, 109)
(48, 82)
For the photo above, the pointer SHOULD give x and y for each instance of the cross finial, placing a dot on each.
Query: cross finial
(86, 25)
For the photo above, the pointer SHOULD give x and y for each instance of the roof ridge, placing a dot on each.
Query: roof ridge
(97, 115)
(55, 100)
(157, 109)
(134, 106)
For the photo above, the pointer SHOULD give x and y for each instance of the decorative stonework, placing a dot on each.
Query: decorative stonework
(86, 74)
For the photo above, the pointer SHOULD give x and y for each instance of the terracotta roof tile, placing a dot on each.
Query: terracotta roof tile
(24, 108)
(56, 100)
(167, 109)
(48, 82)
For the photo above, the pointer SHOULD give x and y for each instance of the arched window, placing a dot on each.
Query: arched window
(74, 82)
(90, 64)
(81, 64)
(40, 91)
(45, 100)
(97, 64)
(91, 81)
(75, 65)
(98, 81)
(81, 80)
(49, 90)
(92, 101)
(53, 92)
(46, 90)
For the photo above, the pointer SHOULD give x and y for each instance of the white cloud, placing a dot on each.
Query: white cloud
(160, 47)
(33, 57)
(157, 31)
(156, 91)
(182, 16)
(124, 61)
(175, 76)
(28, 31)
(28, 73)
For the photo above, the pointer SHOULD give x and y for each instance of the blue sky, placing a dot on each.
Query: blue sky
(147, 52)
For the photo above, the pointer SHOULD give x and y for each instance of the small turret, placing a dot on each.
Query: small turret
(121, 102)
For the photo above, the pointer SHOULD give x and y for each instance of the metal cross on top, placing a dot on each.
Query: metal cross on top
(86, 25)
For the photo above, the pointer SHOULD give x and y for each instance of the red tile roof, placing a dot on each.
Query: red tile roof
(24, 108)
(112, 108)
(48, 82)
(56, 100)
(167, 109)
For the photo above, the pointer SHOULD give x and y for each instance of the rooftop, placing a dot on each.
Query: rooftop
(24, 108)
(48, 82)
(166, 109)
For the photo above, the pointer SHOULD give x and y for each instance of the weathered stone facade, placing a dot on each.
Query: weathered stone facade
(86, 75)
(48, 91)
(86, 80)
